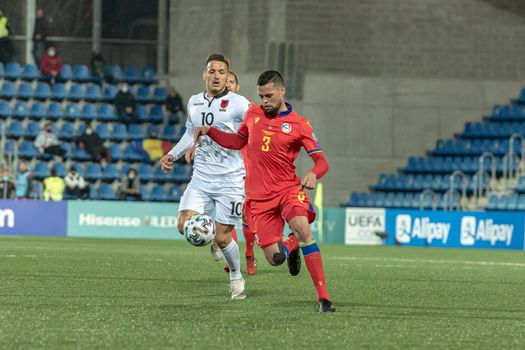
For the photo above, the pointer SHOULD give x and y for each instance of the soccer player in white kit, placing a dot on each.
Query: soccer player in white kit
(218, 173)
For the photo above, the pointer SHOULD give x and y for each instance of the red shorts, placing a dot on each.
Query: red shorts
(266, 217)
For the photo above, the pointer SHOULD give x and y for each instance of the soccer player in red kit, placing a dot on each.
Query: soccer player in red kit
(273, 135)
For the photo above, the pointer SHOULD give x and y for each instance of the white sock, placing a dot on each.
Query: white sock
(233, 258)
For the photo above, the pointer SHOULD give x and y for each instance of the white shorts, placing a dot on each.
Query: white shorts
(203, 197)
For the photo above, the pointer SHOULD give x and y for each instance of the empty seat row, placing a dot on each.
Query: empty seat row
(94, 172)
(475, 147)
(402, 200)
(440, 165)
(80, 73)
(437, 183)
(157, 194)
(506, 202)
(486, 130)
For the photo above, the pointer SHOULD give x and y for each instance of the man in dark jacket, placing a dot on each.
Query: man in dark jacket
(92, 143)
(39, 36)
(125, 104)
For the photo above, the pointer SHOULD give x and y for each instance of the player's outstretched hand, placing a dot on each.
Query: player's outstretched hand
(190, 154)
(166, 162)
(203, 130)
(309, 181)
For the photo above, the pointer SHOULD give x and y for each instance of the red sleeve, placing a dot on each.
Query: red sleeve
(308, 139)
(228, 139)
(321, 164)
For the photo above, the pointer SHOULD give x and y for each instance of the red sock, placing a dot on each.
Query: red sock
(291, 243)
(249, 237)
(234, 235)
(314, 263)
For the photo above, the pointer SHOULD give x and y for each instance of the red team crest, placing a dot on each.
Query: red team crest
(224, 104)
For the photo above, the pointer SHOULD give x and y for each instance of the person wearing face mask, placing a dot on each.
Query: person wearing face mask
(7, 187)
(125, 105)
(47, 142)
(93, 144)
(76, 185)
(130, 186)
(51, 64)
(23, 181)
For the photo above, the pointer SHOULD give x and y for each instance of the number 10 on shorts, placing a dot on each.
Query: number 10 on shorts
(236, 208)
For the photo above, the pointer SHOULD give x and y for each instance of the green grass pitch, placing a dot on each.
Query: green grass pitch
(66, 293)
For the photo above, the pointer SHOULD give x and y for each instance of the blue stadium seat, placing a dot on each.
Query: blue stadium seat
(521, 203)
(93, 172)
(107, 113)
(131, 155)
(76, 92)
(106, 192)
(157, 194)
(79, 154)
(160, 176)
(174, 118)
(66, 73)
(156, 114)
(32, 130)
(520, 187)
(502, 202)
(512, 203)
(15, 130)
(72, 111)
(160, 94)
(169, 133)
(9, 146)
(110, 172)
(89, 112)
(41, 170)
(136, 131)
(38, 110)
(148, 75)
(174, 194)
(5, 109)
(25, 91)
(59, 92)
(119, 133)
(144, 172)
(21, 110)
(13, 71)
(60, 168)
(68, 150)
(54, 111)
(30, 72)
(113, 74)
(180, 133)
(115, 153)
(8, 90)
(81, 73)
(93, 192)
(152, 128)
(144, 193)
(67, 132)
(142, 94)
(180, 173)
(103, 131)
(109, 93)
(493, 202)
(131, 75)
(42, 91)
(2, 71)
(27, 150)
(93, 93)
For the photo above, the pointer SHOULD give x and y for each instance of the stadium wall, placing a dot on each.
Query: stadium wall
(384, 79)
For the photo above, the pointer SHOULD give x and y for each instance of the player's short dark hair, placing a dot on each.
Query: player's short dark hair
(218, 57)
(270, 76)
(235, 76)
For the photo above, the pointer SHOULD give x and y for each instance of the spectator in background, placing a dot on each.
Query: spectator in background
(92, 143)
(47, 143)
(23, 181)
(5, 43)
(53, 187)
(76, 185)
(7, 187)
(175, 106)
(51, 64)
(130, 186)
(39, 36)
(98, 65)
(125, 104)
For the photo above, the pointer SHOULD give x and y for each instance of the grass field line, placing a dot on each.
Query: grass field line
(432, 261)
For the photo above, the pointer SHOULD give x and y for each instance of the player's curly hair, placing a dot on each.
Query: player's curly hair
(270, 76)
(218, 57)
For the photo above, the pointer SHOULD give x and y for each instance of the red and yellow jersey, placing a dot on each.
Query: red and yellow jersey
(273, 145)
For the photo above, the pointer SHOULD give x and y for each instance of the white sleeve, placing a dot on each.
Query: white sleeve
(244, 105)
(186, 141)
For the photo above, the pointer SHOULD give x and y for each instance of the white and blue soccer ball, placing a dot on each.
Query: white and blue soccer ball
(199, 230)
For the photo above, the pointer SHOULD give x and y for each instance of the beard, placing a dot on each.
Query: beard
(272, 111)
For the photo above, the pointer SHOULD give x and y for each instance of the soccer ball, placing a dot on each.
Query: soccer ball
(199, 230)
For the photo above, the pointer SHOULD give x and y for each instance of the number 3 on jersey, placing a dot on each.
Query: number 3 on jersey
(266, 143)
(207, 118)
